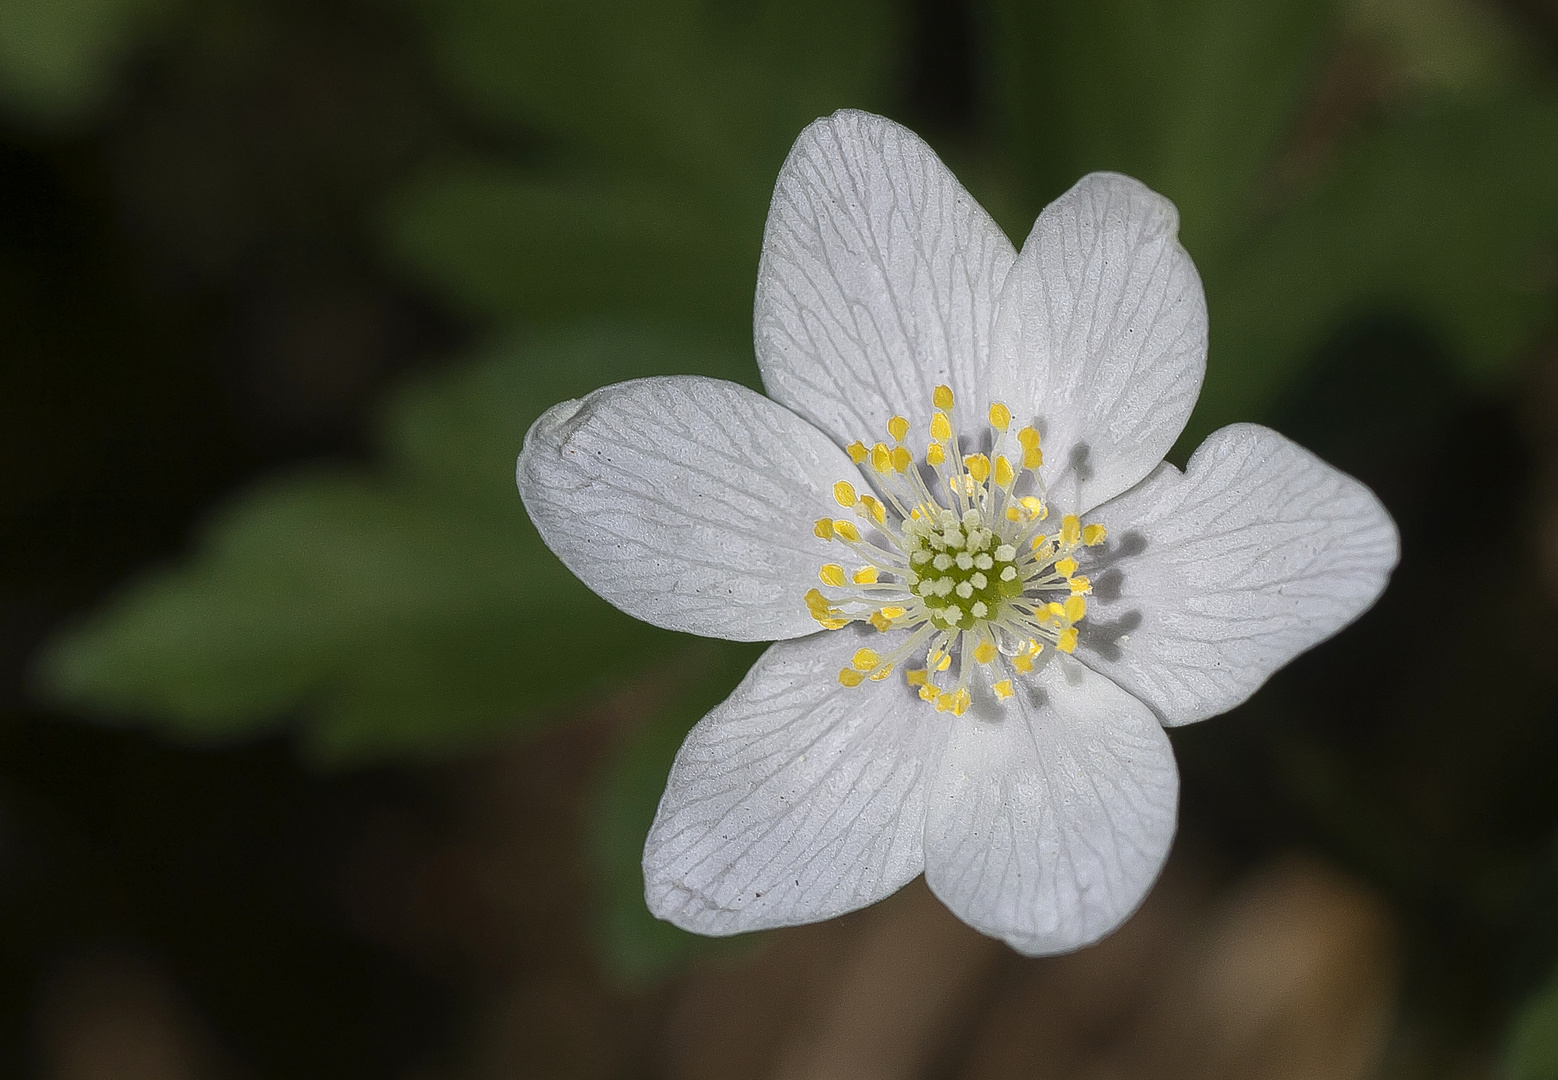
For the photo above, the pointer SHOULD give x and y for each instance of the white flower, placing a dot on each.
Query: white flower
(990, 594)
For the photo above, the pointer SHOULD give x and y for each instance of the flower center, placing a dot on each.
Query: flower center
(958, 555)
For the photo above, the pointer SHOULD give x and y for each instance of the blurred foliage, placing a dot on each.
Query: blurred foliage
(1533, 1048)
(1306, 201)
(59, 59)
(656, 130)
(408, 609)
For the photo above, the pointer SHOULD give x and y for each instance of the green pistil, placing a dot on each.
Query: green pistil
(957, 558)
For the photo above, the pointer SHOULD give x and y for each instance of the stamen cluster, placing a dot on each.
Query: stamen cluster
(955, 554)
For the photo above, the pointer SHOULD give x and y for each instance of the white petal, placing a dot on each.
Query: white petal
(1101, 337)
(797, 799)
(1215, 578)
(878, 280)
(1048, 820)
(687, 502)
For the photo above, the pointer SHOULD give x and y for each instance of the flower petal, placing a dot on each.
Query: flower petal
(1048, 819)
(878, 280)
(687, 502)
(1101, 337)
(795, 800)
(1215, 578)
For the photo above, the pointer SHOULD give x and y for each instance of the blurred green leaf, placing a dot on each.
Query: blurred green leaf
(58, 58)
(636, 948)
(406, 610)
(1532, 1053)
(660, 124)
(1441, 209)
(1447, 214)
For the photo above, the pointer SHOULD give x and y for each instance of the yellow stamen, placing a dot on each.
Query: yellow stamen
(823, 529)
(846, 529)
(880, 621)
(1028, 438)
(1000, 417)
(1067, 642)
(916, 676)
(866, 575)
(851, 677)
(1066, 567)
(865, 660)
(984, 652)
(898, 427)
(934, 454)
(857, 451)
(902, 459)
(1035, 506)
(881, 458)
(1003, 689)
(1032, 457)
(844, 493)
(940, 427)
(978, 467)
(832, 574)
(1076, 607)
(1093, 535)
(941, 397)
(894, 612)
(1070, 530)
(1004, 474)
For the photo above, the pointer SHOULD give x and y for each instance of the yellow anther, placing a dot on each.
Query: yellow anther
(1039, 541)
(851, 677)
(844, 493)
(1054, 610)
(934, 454)
(984, 652)
(1070, 530)
(881, 459)
(1032, 457)
(881, 673)
(1076, 607)
(1004, 474)
(1003, 689)
(833, 624)
(1066, 567)
(816, 602)
(857, 451)
(880, 621)
(941, 397)
(1067, 641)
(1079, 584)
(832, 574)
(960, 701)
(823, 528)
(893, 612)
(1093, 535)
(902, 459)
(978, 467)
(874, 507)
(1012, 513)
(865, 660)
(898, 427)
(1000, 417)
(940, 427)
(1035, 506)
(866, 575)
(1028, 438)
(929, 692)
(846, 529)
(916, 676)
(1023, 662)
(944, 663)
